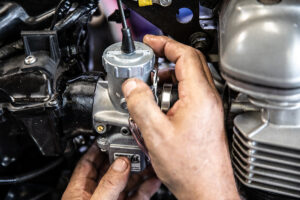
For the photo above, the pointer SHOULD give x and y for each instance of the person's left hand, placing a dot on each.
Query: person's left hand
(90, 181)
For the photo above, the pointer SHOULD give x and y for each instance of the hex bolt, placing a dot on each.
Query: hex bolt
(200, 41)
(29, 60)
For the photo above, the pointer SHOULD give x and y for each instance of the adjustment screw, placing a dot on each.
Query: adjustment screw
(29, 60)
(101, 128)
(123, 104)
(125, 131)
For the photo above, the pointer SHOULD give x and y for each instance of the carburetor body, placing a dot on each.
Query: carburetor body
(110, 114)
(259, 47)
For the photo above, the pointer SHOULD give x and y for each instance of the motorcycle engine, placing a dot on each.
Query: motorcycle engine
(61, 79)
(259, 43)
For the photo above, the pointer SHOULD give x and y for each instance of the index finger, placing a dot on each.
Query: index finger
(189, 69)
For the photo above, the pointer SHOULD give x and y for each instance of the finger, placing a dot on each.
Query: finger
(104, 167)
(84, 179)
(189, 70)
(145, 112)
(206, 69)
(167, 75)
(137, 179)
(114, 181)
(147, 189)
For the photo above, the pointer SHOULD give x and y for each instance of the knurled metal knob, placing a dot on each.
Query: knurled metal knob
(121, 65)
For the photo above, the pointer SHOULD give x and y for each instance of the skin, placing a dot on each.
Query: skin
(188, 147)
(93, 179)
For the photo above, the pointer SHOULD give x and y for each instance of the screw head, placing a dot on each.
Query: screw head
(165, 3)
(103, 144)
(29, 60)
(101, 128)
(125, 131)
(123, 104)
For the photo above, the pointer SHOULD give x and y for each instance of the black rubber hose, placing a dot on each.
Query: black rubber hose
(30, 175)
(11, 49)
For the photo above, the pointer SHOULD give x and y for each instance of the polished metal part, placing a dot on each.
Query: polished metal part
(166, 97)
(259, 44)
(29, 60)
(266, 156)
(164, 3)
(121, 66)
(104, 111)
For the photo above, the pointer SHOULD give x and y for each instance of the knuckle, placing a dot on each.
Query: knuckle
(84, 164)
(108, 183)
(168, 45)
(199, 53)
(142, 195)
(137, 97)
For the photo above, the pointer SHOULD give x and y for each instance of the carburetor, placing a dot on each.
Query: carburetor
(127, 59)
(110, 109)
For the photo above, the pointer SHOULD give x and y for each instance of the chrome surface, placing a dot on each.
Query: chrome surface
(260, 44)
(259, 47)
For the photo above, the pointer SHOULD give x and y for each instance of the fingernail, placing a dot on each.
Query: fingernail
(128, 87)
(119, 165)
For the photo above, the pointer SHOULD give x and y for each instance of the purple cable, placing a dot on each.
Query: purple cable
(138, 137)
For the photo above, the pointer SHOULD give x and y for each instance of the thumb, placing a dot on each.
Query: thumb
(144, 111)
(114, 181)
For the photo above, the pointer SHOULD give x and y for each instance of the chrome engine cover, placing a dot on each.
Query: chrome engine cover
(260, 43)
(259, 47)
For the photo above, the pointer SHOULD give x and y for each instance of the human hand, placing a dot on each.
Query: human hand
(187, 147)
(115, 184)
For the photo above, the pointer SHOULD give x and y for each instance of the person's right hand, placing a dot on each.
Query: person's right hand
(187, 146)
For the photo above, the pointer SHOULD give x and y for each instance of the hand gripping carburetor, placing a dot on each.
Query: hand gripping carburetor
(259, 52)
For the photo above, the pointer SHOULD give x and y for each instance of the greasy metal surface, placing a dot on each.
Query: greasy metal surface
(21, 83)
(43, 128)
(259, 44)
(13, 19)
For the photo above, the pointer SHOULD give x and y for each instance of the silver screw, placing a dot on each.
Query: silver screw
(123, 104)
(165, 3)
(103, 144)
(29, 60)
